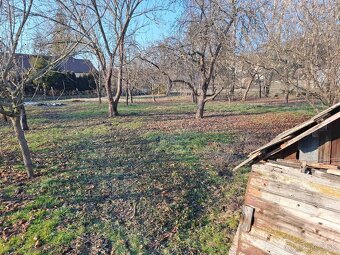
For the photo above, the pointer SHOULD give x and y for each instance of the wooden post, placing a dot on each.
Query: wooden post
(247, 218)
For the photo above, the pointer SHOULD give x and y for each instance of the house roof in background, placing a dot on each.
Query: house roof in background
(70, 64)
(76, 65)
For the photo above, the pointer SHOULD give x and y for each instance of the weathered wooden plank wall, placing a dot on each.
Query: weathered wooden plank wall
(295, 213)
(335, 131)
(325, 147)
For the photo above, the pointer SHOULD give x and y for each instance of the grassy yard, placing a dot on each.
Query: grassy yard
(153, 181)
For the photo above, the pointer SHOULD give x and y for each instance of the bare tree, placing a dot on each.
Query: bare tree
(162, 59)
(317, 49)
(202, 45)
(110, 23)
(134, 78)
(14, 18)
(11, 89)
(206, 31)
(300, 48)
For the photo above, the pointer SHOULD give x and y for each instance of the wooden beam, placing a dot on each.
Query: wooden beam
(248, 160)
(333, 171)
(322, 166)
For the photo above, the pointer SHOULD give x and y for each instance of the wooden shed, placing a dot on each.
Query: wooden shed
(292, 202)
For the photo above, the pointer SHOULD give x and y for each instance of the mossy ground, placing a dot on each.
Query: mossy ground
(153, 181)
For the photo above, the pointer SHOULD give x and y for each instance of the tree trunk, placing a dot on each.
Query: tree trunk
(131, 96)
(231, 95)
(286, 96)
(115, 109)
(267, 92)
(52, 92)
(200, 107)
(45, 91)
(108, 88)
(168, 91)
(286, 92)
(229, 98)
(99, 94)
(23, 145)
(127, 95)
(260, 90)
(200, 103)
(119, 79)
(248, 88)
(99, 99)
(23, 118)
(287, 87)
(194, 96)
(268, 84)
(213, 84)
(153, 95)
(3, 115)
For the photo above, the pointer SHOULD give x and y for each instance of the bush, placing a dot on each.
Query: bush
(66, 81)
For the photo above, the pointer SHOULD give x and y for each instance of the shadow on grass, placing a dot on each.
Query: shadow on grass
(143, 193)
(140, 189)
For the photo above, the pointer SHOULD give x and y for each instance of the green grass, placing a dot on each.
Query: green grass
(142, 189)
(186, 146)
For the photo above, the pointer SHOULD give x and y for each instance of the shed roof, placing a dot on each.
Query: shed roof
(294, 135)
